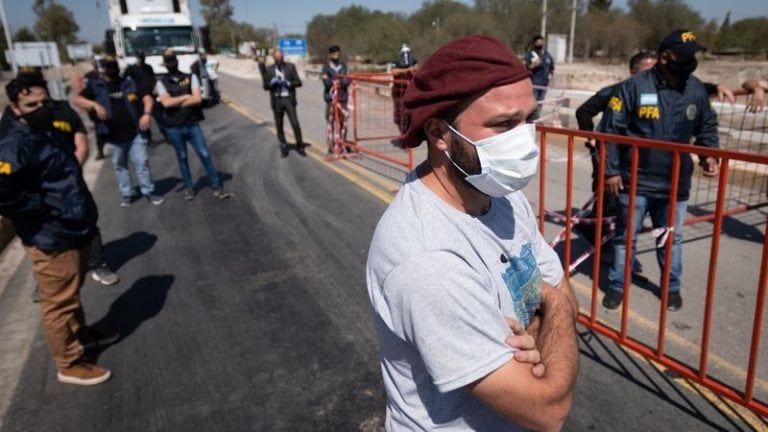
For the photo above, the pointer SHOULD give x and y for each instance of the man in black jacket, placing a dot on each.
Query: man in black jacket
(281, 80)
(43, 193)
(68, 132)
(663, 103)
(123, 114)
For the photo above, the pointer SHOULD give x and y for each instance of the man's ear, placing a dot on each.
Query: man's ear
(15, 110)
(437, 134)
(664, 57)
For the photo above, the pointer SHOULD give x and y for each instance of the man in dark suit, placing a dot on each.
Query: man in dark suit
(281, 80)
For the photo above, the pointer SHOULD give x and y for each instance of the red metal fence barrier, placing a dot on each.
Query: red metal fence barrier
(731, 161)
(372, 121)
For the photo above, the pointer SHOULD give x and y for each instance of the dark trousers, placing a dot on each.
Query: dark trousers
(282, 106)
(96, 257)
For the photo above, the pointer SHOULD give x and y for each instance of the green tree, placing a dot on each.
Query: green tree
(218, 16)
(321, 33)
(663, 16)
(55, 23)
(216, 10)
(24, 34)
(609, 34)
(603, 5)
(750, 35)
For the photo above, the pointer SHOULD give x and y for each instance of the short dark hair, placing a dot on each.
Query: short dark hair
(638, 58)
(23, 84)
(333, 49)
(536, 38)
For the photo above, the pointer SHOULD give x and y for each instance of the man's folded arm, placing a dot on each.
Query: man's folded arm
(539, 403)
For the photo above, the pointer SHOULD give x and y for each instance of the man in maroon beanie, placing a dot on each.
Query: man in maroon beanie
(475, 317)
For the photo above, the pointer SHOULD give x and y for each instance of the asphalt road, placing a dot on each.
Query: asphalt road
(252, 313)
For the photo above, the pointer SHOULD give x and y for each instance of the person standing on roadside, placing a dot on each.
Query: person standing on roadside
(334, 67)
(89, 77)
(123, 115)
(457, 267)
(144, 76)
(43, 193)
(68, 131)
(542, 67)
(664, 103)
(180, 95)
(402, 72)
(281, 81)
(207, 82)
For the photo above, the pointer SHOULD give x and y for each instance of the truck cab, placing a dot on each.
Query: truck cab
(151, 26)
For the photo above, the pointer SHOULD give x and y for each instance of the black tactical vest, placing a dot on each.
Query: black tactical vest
(177, 84)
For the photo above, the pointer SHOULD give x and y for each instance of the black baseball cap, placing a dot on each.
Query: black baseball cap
(682, 42)
(169, 55)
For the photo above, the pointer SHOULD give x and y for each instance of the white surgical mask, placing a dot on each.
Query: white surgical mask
(508, 161)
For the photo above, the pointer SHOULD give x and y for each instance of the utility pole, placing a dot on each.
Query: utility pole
(544, 19)
(8, 38)
(574, 6)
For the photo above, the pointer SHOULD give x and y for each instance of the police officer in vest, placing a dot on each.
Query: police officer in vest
(123, 115)
(43, 193)
(68, 132)
(663, 103)
(180, 95)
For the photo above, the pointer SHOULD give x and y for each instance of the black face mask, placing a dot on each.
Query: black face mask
(40, 119)
(538, 47)
(172, 67)
(682, 69)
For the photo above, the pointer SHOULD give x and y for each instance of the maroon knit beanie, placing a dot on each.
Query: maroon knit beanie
(460, 69)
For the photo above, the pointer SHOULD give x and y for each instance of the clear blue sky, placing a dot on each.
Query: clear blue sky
(291, 16)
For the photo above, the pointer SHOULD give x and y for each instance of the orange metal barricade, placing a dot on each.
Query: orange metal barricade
(731, 161)
(368, 124)
(739, 130)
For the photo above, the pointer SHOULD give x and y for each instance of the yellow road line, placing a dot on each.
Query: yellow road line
(317, 155)
(724, 405)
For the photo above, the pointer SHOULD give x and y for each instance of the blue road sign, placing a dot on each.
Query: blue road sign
(293, 46)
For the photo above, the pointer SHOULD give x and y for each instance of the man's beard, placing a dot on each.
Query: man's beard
(467, 161)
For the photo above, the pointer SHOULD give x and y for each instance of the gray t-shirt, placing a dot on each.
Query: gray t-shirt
(441, 282)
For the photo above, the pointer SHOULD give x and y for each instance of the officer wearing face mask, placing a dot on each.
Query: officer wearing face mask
(68, 132)
(457, 264)
(123, 112)
(664, 103)
(43, 193)
(542, 67)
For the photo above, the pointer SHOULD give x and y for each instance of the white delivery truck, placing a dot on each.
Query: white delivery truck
(151, 26)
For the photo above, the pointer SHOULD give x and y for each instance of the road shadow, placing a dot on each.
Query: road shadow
(203, 181)
(732, 226)
(162, 187)
(120, 251)
(657, 381)
(141, 302)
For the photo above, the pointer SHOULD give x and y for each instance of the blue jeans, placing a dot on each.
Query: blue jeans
(179, 137)
(658, 209)
(539, 95)
(136, 149)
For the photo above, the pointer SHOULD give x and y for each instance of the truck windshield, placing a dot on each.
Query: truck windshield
(153, 40)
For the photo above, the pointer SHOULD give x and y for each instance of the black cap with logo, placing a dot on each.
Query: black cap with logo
(682, 42)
